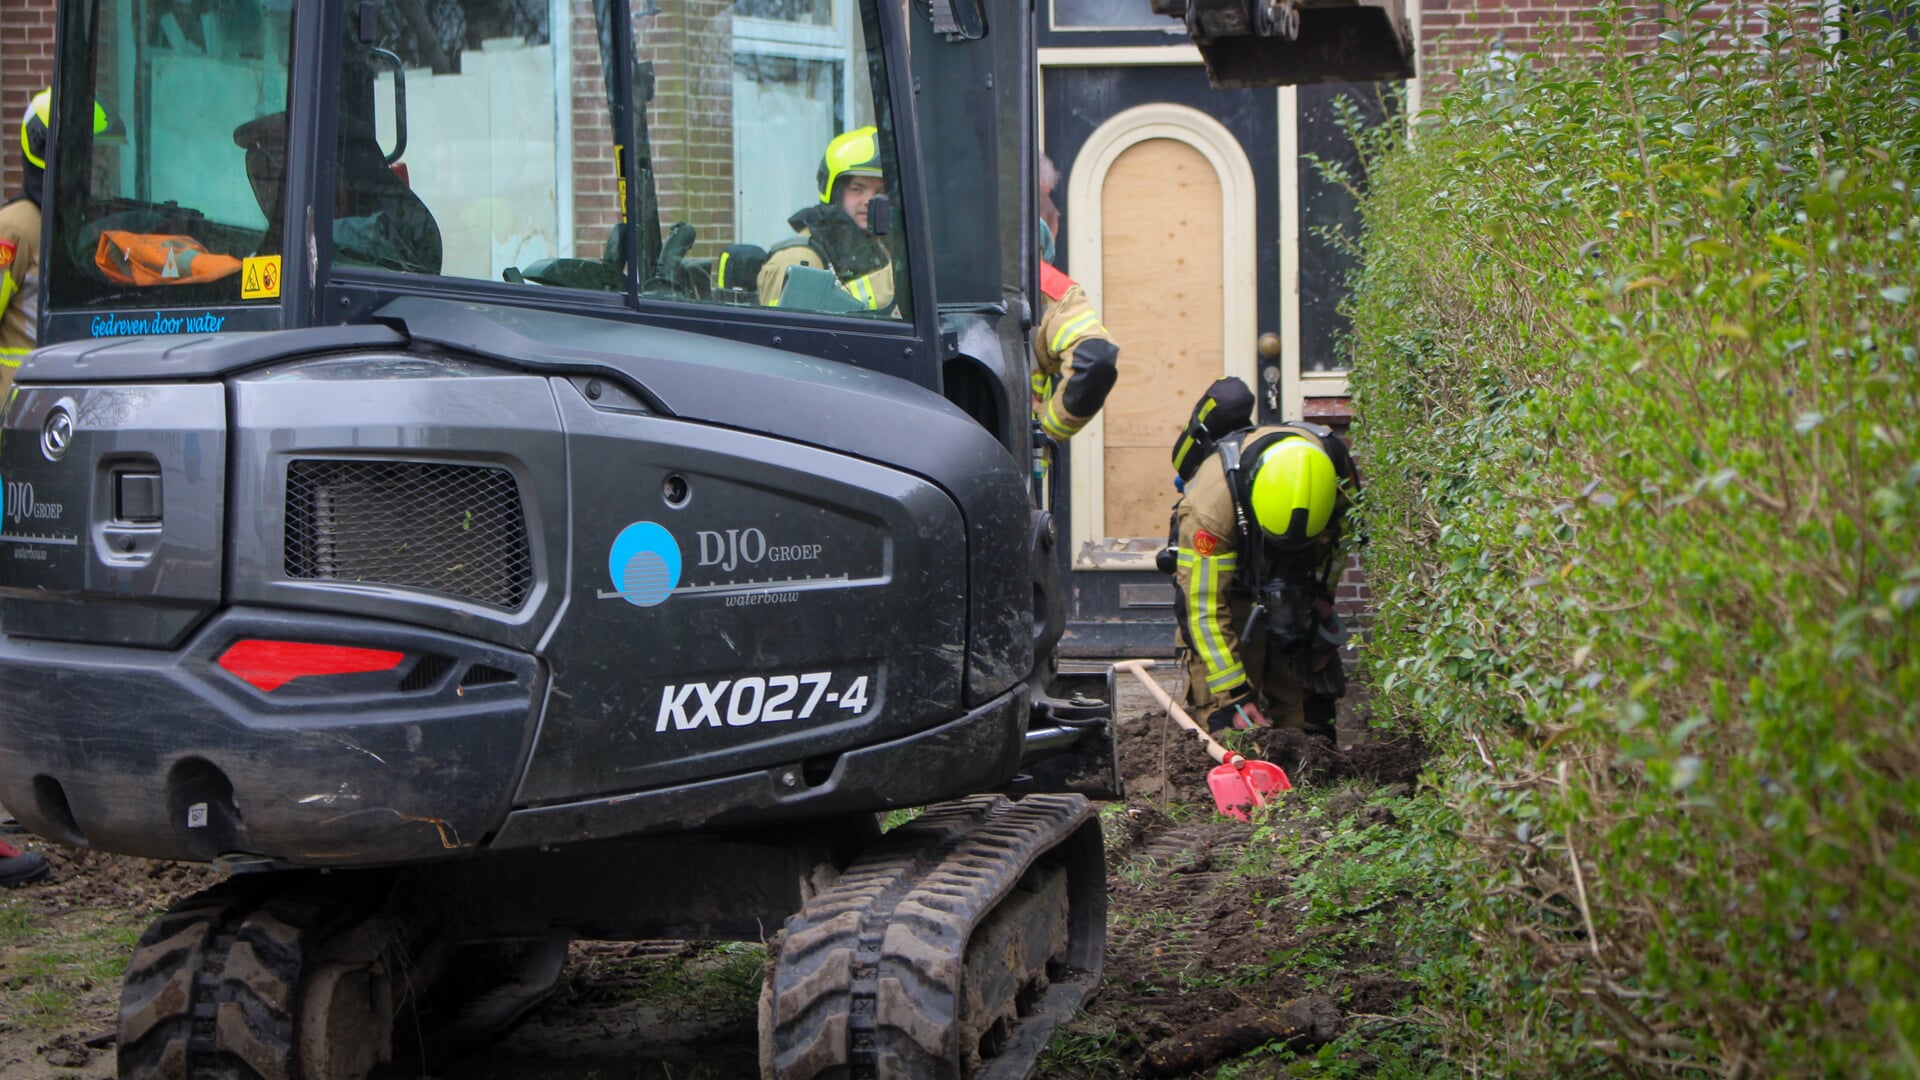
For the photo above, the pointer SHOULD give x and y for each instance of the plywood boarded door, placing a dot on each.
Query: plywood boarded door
(1161, 211)
(1162, 284)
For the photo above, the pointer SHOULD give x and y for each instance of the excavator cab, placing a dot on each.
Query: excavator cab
(614, 150)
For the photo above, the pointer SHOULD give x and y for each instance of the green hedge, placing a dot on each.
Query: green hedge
(1637, 382)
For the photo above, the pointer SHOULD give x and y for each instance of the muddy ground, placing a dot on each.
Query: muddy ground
(1201, 927)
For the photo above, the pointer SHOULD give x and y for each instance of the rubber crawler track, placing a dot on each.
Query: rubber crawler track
(211, 989)
(867, 980)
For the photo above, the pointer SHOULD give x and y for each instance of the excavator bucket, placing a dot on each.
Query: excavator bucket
(1291, 42)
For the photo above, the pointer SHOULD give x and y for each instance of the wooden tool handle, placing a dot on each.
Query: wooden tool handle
(1214, 750)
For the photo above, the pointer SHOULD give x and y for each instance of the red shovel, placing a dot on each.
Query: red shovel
(1237, 782)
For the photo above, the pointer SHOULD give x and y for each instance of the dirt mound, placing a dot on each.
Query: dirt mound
(1163, 763)
(1314, 759)
(98, 880)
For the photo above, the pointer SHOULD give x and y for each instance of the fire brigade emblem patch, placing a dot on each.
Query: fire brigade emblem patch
(7, 250)
(1204, 542)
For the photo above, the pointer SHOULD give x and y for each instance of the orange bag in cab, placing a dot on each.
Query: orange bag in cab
(152, 259)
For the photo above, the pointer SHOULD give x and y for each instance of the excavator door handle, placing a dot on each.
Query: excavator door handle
(392, 60)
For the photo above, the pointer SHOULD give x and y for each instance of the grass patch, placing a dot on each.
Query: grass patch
(17, 920)
(723, 978)
(1366, 894)
(1141, 871)
(1085, 1049)
(1152, 920)
(1375, 1049)
(53, 970)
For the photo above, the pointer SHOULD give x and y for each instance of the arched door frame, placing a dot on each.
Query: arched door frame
(1239, 307)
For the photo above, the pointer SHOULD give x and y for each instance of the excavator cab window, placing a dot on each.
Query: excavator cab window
(788, 76)
(476, 140)
(455, 129)
(161, 206)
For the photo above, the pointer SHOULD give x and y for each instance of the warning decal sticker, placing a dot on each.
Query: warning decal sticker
(260, 277)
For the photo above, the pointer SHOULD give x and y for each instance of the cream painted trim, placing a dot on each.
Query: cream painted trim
(1238, 262)
(1315, 384)
(1118, 56)
(1287, 110)
(1296, 385)
(1415, 15)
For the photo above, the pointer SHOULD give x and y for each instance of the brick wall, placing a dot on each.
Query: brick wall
(690, 123)
(1457, 34)
(1461, 33)
(596, 205)
(26, 67)
(691, 119)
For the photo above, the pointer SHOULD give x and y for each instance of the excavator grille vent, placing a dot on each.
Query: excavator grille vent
(455, 529)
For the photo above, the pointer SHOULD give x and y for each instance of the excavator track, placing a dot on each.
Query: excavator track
(949, 950)
(214, 985)
(300, 975)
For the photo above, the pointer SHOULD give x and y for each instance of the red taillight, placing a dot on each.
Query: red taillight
(270, 665)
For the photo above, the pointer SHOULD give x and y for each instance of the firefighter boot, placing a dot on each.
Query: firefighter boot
(20, 867)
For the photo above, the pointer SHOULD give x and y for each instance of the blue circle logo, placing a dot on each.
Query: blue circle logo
(644, 564)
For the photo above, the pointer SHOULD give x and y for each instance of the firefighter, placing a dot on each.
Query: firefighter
(19, 330)
(1075, 359)
(1257, 549)
(835, 234)
(20, 241)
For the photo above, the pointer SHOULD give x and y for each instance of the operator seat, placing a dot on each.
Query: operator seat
(377, 219)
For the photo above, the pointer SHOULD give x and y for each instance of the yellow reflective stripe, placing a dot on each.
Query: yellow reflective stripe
(1053, 425)
(9, 288)
(1227, 679)
(1203, 617)
(862, 290)
(12, 357)
(1074, 331)
(1041, 382)
(720, 271)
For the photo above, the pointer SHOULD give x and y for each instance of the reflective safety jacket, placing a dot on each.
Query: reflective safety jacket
(19, 287)
(856, 257)
(1075, 361)
(1211, 573)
